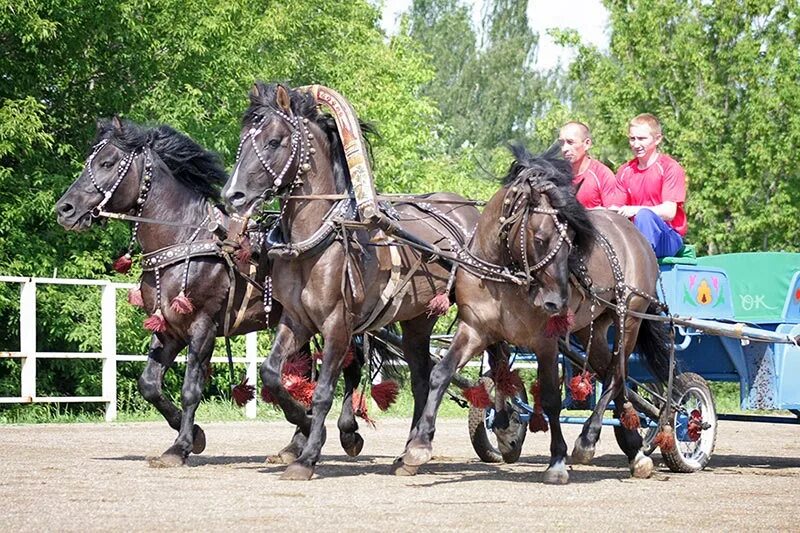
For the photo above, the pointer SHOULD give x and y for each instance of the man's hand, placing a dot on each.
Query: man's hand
(629, 211)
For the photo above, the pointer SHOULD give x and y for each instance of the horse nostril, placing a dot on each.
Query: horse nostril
(551, 308)
(236, 199)
(65, 209)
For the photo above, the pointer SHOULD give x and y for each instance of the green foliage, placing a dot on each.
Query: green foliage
(722, 76)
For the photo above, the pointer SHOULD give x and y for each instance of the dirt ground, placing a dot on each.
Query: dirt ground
(94, 477)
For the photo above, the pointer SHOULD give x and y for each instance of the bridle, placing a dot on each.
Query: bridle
(301, 151)
(122, 171)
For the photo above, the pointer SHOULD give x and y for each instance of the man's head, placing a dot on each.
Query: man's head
(575, 139)
(644, 136)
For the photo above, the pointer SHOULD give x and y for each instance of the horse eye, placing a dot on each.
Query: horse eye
(274, 143)
(107, 164)
(538, 242)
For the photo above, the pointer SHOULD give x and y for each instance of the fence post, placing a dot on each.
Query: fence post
(108, 313)
(27, 339)
(251, 357)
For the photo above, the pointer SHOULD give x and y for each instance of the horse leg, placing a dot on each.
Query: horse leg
(336, 344)
(201, 346)
(467, 343)
(416, 349)
(351, 441)
(547, 357)
(289, 453)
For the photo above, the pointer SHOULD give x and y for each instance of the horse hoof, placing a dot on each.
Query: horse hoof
(354, 447)
(198, 440)
(641, 466)
(167, 460)
(282, 458)
(297, 472)
(556, 475)
(399, 468)
(418, 455)
(582, 455)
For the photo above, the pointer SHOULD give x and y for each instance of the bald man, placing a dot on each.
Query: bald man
(596, 185)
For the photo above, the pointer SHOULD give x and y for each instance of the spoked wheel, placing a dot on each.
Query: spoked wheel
(492, 444)
(695, 423)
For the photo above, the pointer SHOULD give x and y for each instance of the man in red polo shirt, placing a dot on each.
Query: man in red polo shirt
(656, 187)
(594, 182)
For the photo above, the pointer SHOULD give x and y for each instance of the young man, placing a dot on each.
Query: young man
(656, 187)
(595, 184)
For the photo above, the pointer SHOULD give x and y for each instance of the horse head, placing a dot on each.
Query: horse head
(112, 177)
(276, 145)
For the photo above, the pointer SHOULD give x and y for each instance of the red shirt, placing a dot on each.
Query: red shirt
(663, 181)
(598, 186)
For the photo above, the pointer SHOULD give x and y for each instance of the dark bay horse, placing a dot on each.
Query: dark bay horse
(162, 175)
(534, 226)
(332, 275)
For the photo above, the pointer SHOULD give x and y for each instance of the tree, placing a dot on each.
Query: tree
(723, 78)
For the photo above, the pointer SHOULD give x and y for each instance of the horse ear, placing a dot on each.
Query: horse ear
(254, 92)
(117, 123)
(283, 100)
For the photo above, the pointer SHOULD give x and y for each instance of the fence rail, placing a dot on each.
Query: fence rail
(28, 353)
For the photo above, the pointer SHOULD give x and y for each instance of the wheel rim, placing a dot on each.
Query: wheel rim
(694, 452)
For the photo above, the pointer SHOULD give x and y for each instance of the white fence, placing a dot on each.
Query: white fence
(108, 352)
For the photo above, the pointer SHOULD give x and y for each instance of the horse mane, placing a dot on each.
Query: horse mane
(303, 105)
(551, 167)
(199, 169)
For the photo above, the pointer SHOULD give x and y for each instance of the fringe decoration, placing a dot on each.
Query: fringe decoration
(506, 381)
(360, 407)
(559, 325)
(581, 386)
(537, 422)
(665, 438)
(243, 392)
(695, 425)
(156, 322)
(438, 305)
(349, 356)
(478, 397)
(629, 416)
(300, 389)
(244, 253)
(135, 298)
(123, 264)
(385, 394)
(296, 365)
(181, 304)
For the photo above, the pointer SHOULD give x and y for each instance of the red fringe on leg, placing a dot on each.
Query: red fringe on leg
(478, 397)
(135, 298)
(296, 364)
(506, 381)
(300, 389)
(665, 438)
(155, 322)
(560, 325)
(123, 264)
(537, 422)
(581, 386)
(360, 407)
(438, 305)
(181, 304)
(243, 392)
(629, 416)
(385, 394)
(695, 425)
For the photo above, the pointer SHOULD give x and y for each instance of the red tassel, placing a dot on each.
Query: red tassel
(296, 364)
(181, 304)
(438, 305)
(581, 386)
(349, 356)
(243, 392)
(385, 394)
(695, 425)
(244, 253)
(538, 423)
(478, 397)
(629, 417)
(360, 408)
(123, 264)
(536, 392)
(506, 381)
(135, 297)
(665, 438)
(267, 396)
(559, 325)
(155, 322)
(300, 389)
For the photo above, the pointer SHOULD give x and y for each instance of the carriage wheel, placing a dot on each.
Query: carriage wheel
(483, 438)
(695, 425)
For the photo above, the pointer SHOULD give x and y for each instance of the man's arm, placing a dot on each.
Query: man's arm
(666, 210)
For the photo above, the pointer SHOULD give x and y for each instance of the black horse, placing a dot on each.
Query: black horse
(190, 285)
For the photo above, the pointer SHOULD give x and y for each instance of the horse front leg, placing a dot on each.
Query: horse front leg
(550, 389)
(467, 343)
(351, 441)
(336, 343)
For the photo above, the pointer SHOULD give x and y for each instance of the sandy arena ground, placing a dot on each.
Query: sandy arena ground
(94, 477)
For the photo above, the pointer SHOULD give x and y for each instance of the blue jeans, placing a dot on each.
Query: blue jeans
(662, 237)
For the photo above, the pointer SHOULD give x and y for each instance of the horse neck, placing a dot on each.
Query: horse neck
(485, 244)
(170, 201)
(302, 217)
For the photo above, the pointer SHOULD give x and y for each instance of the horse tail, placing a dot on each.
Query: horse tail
(654, 344)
